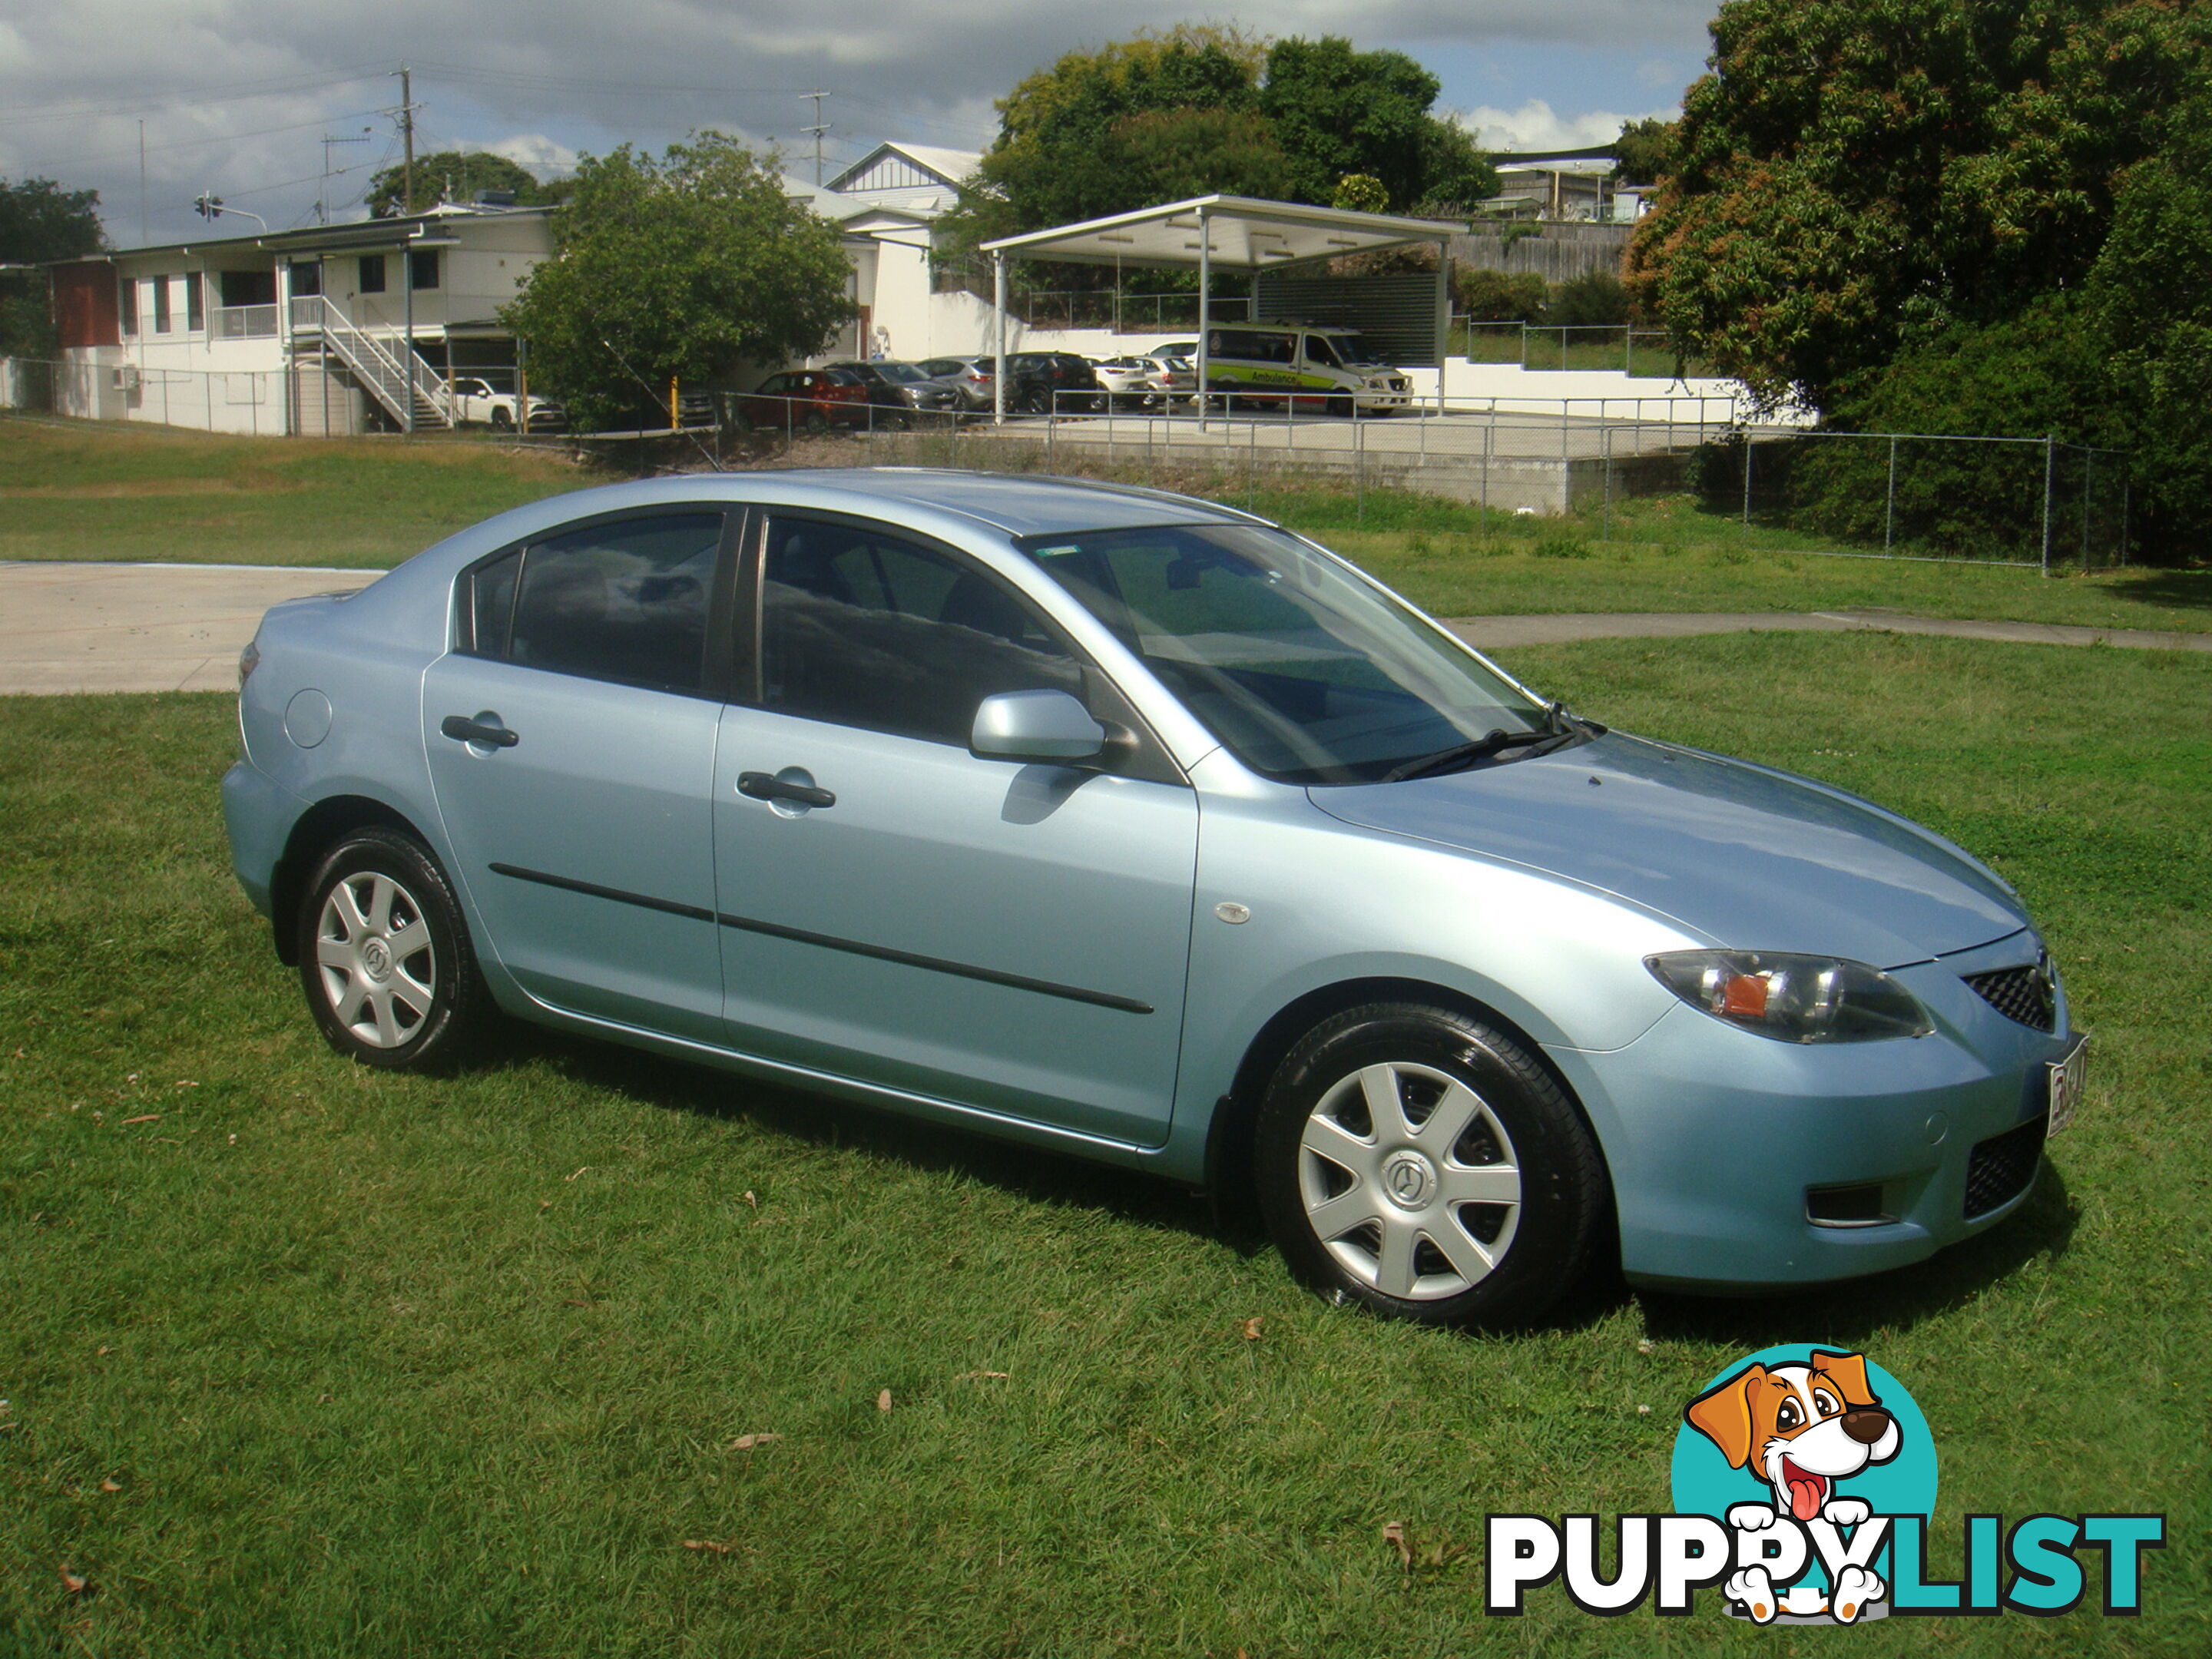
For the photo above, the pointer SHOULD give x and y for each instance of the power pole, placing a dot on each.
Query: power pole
(407, 136)
(323, 196)
(819, 127)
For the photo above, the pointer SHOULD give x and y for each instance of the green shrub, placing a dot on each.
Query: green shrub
(1492, 296)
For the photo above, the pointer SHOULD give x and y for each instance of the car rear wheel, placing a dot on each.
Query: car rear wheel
(1341, 407)
(1418, 1162)
(816, 422)
(384, 959)
(501, 421)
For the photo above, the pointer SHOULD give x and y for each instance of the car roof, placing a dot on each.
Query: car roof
(1013, 504)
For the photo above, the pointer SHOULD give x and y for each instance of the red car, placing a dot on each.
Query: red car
(804, 399)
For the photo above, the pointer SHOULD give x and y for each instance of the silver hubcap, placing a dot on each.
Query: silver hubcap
(1409, 1181)
(374, 952)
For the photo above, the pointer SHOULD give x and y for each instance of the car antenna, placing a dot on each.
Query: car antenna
(646, 386)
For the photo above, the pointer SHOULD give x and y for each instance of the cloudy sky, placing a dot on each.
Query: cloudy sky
(239, 96)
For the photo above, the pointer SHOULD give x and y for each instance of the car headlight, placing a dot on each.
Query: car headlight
(1793, 999)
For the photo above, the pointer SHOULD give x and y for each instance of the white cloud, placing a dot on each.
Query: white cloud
(236, 95)
(544, 156)
(1536, 126)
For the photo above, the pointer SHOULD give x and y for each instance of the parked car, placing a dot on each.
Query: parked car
(973, 377)
(1052, 382)
(1131, 382)
(803, 400)
(476, 403)
(1290, 366)
(1135, 828)
(904, 389)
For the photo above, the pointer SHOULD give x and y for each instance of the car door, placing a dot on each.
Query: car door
(896, 909)
(571, 740)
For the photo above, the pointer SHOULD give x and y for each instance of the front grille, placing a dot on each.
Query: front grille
(2003, 1167)
(2021, 994)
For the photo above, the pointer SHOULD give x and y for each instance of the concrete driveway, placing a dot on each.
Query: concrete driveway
(180, 627)
(141, 627)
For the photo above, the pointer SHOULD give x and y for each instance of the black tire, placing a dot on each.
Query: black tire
(817, 424)
(1341, 408)
(1036, 402)
(501, 421)
(1409, 1238)
(382, 994)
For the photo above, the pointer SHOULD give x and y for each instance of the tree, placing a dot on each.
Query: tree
(1337, 111)
(1200, 109)
(1645, 151)
(677, 267)
(39, 221)
(1855, 176)
(452, 175)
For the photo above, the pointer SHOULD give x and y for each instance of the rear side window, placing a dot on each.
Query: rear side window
(861, 628)
(623, 601)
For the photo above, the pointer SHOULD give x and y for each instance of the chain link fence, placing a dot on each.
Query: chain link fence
(1906, 495)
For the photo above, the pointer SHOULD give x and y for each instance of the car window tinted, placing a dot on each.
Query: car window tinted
(625, 600)
(1306, 673)
(1319, 351)
(864, 628)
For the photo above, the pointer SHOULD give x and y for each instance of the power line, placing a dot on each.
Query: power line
(233, 92)
(190, 144)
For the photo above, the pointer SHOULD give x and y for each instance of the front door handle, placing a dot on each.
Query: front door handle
(766, 786)
(462, 729)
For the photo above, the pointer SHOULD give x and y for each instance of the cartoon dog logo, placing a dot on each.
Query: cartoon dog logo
(1801, 1428)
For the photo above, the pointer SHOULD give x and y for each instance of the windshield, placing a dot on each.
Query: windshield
(1307, 672)
(1352, 348)
(904, 374)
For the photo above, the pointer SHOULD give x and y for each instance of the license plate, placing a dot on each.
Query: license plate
(2067, 1077)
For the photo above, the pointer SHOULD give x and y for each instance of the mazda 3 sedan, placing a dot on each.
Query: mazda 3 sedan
(1127, 825)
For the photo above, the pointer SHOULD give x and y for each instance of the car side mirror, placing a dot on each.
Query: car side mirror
(1046, 729)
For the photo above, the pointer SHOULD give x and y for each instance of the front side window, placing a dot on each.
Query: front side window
(1308, 674)
(861, 628)
(423, 267)
(371, 273)
(160, 304)
(1319, 351)
(126, 292)
(625, 600)
(195, 314)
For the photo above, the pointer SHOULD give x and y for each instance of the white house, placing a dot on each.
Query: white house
(300, 331)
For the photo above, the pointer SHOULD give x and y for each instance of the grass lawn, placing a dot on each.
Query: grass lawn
(300, 1358)
(84, 490)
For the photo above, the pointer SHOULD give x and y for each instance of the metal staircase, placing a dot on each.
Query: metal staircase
(375, 367)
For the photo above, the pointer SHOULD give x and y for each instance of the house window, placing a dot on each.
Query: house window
(126, 295)
(371, 273)
(423, 268)
(195, 302)
(306, 278)
(160, 304)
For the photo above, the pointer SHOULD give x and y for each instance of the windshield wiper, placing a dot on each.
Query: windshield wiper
(1466, 753)
(1560, 729)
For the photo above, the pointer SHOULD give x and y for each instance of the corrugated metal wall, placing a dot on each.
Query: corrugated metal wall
(1397, 313)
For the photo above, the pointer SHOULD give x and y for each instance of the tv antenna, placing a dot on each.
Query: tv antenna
(323, 193)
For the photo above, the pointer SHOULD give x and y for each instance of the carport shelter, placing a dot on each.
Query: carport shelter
(1236, 233)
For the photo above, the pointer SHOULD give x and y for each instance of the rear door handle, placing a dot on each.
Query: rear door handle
(766, 786)
(462, 729)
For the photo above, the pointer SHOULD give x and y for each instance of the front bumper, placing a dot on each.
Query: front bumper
(1716, 1136)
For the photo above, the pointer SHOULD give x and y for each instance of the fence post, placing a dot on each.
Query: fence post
(1489, 439)
(1889, 513)
(1746, 478)
(1359, 464)
(2049, 461)
(1606, 534)
(2088, 463)
(2127, 496)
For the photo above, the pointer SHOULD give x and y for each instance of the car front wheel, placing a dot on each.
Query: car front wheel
(1418, 1162)
(384, 957)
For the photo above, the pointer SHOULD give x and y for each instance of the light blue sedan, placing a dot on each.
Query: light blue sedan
(1124, 824)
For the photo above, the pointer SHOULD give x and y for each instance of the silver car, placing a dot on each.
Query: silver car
(1130, 826)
